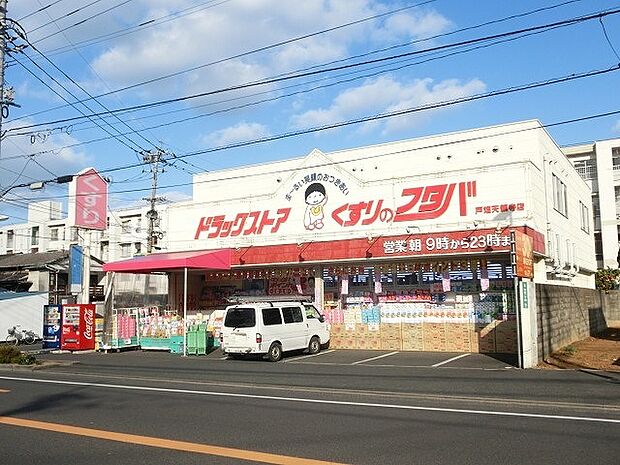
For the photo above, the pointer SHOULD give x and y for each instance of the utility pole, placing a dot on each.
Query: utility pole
(155, 159)
(3, 32)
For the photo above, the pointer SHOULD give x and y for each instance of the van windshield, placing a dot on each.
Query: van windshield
(240, 318)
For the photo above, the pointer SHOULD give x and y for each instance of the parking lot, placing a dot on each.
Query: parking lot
(343, 357)
(378, 358)
(405, 359)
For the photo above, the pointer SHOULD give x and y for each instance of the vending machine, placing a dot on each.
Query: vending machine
(52, 321)
(78, 327)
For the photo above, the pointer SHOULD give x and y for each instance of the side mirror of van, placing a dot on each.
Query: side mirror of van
(322, 319)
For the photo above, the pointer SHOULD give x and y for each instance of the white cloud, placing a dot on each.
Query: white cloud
(176, 196)
(616, 127)
(232, 28)
(237, 133)
(412, 25)
(386, 94)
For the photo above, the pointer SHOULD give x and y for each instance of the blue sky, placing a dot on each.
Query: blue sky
(189, 34)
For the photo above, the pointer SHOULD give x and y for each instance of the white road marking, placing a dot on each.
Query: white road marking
(374, 358)
(318, 401)
(323, 352)
(450, 360)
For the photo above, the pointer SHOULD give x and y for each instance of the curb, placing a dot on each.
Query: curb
(40, 366)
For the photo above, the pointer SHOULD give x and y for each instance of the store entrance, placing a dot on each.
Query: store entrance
(450, 306)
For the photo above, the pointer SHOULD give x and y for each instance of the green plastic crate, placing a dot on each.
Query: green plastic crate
(154, 343)
(176, 344)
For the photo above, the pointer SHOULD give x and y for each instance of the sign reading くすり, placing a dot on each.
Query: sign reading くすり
(89, 200)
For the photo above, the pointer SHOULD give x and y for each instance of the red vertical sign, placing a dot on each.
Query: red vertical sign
(91, 200)
(523, 250)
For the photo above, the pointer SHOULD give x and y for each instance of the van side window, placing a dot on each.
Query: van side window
(311, 312)
(292, 315)
(271, 316)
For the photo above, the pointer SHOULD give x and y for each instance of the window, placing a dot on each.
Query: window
(73, 235)
(125, 250)
(312, 312)
(292, 315)
(34, 236)
(126, 226)
(10, 239)
(615, 158)
(240, 318)
(104, 247)
(271, 316)
(585, 217)
(53, 234)
(138, 247)
(559, 196)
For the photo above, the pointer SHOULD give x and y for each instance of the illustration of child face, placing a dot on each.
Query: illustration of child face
(315, 198)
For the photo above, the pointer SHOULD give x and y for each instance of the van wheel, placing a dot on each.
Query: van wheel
(275, 352)
(314, 347)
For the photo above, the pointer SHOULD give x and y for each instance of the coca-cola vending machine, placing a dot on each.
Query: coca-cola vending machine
(78, 327)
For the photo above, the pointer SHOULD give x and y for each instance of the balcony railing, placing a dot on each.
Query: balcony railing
(587, 172)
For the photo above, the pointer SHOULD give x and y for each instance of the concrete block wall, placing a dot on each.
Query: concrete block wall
(611, 307)
(568, 314)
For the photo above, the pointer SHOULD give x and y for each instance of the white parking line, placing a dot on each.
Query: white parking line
(323, 352)
(374, 358)
(450, 360)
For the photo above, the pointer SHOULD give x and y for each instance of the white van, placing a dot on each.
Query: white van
(271, 328)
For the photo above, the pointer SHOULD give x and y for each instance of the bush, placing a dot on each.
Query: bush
(607, 279)
(11, 354)
(568, 351)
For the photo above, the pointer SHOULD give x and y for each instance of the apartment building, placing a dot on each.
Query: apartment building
(598, 163)
(41, 240)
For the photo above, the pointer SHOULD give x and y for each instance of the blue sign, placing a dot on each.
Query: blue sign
(52, 324)
(76, 268)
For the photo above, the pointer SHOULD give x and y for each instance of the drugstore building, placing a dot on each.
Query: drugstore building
(429, 244)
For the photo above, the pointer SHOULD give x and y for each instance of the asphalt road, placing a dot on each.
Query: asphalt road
(339, 407)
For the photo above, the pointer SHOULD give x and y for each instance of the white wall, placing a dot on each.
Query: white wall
(24, 309)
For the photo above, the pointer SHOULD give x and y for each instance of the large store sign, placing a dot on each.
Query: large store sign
(328, 205)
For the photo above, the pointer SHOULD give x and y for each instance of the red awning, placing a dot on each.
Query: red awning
(195, 259)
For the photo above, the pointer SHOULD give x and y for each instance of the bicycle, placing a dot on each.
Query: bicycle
(17, 336)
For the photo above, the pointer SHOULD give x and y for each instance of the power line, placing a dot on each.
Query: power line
(85, 91)
(370, 157)
(22, 34)
(568, 22)
(82, 21)
(611, 45)
(407, 63)
(73, 104)
(43, 8)
(140, 26)
(402, 112)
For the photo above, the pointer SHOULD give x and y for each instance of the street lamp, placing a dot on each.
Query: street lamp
(38, 185)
